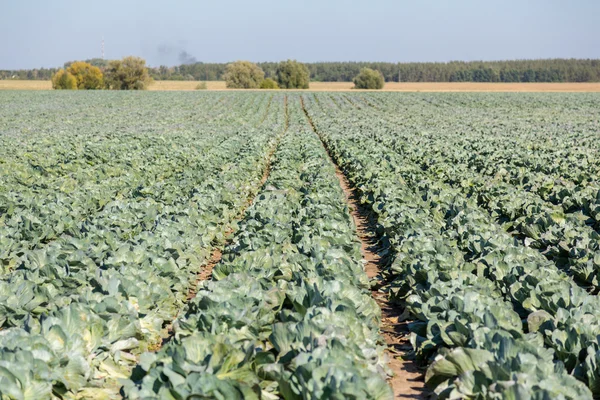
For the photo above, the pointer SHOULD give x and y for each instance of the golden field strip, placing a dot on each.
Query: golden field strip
(347, 86)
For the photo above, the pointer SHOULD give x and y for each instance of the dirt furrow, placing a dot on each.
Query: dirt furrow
(205, 272)
(407, 381)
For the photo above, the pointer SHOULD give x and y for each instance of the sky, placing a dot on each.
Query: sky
(42, 33)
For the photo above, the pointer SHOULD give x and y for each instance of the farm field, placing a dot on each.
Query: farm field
(347, 86)
(264, 245)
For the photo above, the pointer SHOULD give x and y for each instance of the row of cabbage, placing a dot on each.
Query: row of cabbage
(493, 317)
(555, 211)
(547, 143)
(52, 177)
(565, 232)
(288, 313)
(568, 239)
(78, 306)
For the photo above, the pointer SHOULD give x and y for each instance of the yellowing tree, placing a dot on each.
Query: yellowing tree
(63, 80)
(269, 84)
(88, 77)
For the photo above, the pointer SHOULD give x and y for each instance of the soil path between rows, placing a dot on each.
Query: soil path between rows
(407, 381)
(205, 273)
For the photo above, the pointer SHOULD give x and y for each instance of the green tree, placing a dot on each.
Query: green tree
(369, 79)
(269, 84)
(243, 75)
(130, 73)
(293, 75)
(63, 80)
(96, 62)
(88, 77)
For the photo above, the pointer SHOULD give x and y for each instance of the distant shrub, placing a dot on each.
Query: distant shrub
(369, 79)
(202, 86)
(293, 75)
(130, 73)
(269, 84)
(63, 80)
(88, 77)
(243, 75)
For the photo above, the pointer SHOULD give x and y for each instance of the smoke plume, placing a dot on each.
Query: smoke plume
(186, 58)
(172, 54)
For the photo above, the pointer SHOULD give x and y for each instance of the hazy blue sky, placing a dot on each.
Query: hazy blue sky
(35, 33)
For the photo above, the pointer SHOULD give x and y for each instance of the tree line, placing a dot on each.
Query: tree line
(548, 70)
(131, 73)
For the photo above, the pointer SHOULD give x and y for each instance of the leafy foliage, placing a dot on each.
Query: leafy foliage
(458, 272)
(87, 76)
(288, 304)
(549, 70)
(243, 75)
(369, 79)
(269, 84)
(109, 209)
(63, 80)
(292, 75)
(103, 235)
(130, 73)
(542, 70)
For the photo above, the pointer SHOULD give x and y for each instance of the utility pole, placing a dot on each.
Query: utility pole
(102, 47)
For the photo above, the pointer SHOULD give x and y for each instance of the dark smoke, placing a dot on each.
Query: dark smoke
(186, 58)
(170, 54)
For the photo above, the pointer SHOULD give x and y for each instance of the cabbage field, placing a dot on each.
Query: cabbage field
(201, 245)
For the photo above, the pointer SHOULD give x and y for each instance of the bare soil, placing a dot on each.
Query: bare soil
(407, 382)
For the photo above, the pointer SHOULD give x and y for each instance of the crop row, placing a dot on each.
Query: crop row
(466, 281)
(288, 312)
(549, 149)
(567, 238)
(52, 182)
(539, 140)
(76, 311)
(564, 238)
